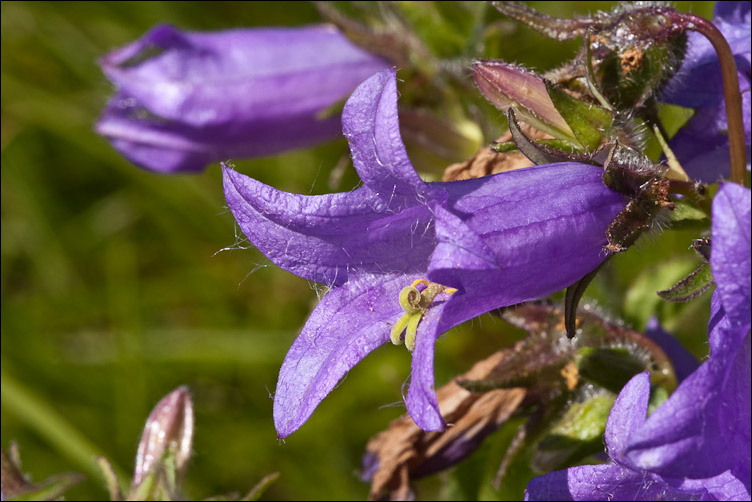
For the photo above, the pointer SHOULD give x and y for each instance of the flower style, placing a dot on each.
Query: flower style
(702, 144)
(696, 445)
(498, 240)
(185, 99)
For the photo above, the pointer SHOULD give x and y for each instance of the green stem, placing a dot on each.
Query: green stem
(731, 93)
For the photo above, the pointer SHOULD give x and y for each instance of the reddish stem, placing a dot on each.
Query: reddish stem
(731, 93)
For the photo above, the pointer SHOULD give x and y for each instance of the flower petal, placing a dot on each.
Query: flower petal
(348, 323)
(605, 482)
(421, 400)
(730, 259)
(546, 226)
(737, 12)
(627, 415)
(170, 146)
(371, 125)
(326, 238)
(234, 76)
(698, 431)
(725, 486)
(735, 412)
(186, 99)
(702, 144)
(698, 82)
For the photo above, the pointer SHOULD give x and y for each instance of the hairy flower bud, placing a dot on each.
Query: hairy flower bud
(507, 85)
(544, 105)
(169, 426)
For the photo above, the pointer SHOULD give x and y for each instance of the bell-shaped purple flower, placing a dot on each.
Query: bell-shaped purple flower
(185, 99)
(472, 245)
(702, 144)
(696, 445)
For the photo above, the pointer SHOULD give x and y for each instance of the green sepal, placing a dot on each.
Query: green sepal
(576, 435)
(558, 144)
(692, 286)
(608, 367)
(572, 299)
(590, 123)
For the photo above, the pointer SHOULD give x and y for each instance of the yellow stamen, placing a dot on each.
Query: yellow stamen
(396, 334)
(412, 330)
(415, 303)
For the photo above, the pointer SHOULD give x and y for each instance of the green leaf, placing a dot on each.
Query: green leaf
(692, 286)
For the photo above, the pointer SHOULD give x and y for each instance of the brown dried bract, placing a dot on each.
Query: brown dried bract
(404, 451)
(571, 375)
(486, 162)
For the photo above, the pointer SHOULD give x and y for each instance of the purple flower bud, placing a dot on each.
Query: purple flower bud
(170, 425)
(506, 85)
(185, 99)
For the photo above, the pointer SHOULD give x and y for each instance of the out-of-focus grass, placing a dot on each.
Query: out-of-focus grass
(113, 292)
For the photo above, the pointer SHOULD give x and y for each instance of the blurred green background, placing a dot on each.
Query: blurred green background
(114, 289)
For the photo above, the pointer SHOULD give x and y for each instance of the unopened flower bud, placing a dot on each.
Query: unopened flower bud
(169, 426)
(506, 85)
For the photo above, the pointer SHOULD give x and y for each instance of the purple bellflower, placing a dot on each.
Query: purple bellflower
(696, 445)
(702, 144)
(185, 99)
(469, 246)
